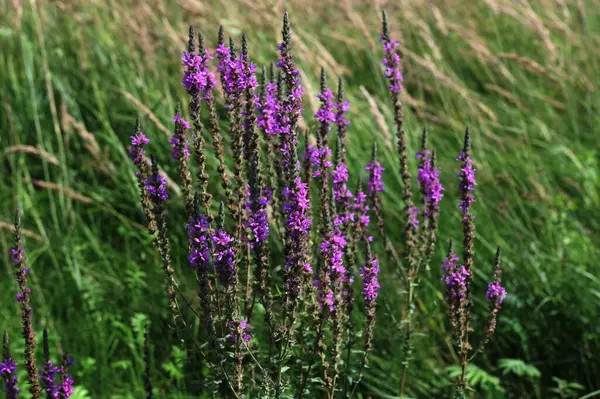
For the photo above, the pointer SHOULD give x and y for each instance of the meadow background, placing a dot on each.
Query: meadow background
(525, 77)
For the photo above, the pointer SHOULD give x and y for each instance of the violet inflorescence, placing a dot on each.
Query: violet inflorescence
(429, 179)
(8, 371)
(269, 255)
(56, 382)
(375, 184)
(198, 79)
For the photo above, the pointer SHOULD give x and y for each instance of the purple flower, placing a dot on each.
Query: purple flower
(17, 255)
(8, 371)
(325, 113)
(136, 152)
(495, 292)
(48, 378)
(292, 108)
(296, 207)
(391, 62)
(56, 389)
(375, 183)
(197, 230)
(178, 119)
(268, 112)
(156, 187)
(223, 255)
(342, 195)
(371, 286)
(257, 219)
(197, 79)
(340, 113)
(320, 159)
(429, 179)
(361, 210)
(239, 329)
(455, 276)
(467, 182)
(21, 294)
(237, 74)
(179, 142)
(413, 216)
(332, 249)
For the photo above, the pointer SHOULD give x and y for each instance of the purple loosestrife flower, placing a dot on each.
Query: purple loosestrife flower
(18, 258)
(57, 383)
(223, 255)
(239, 330)
(391, 61)
(293, 104)
(495, 293)
(429, 180)
(325, 114)
(414, 212)
(236, 74)
(467, 182)
(341, 120)
(268, 111)
(48, 379)
(342, 195)
(198, 237)
(375, 184)
(296, 208)
(197, 78)
(8, 371)
(370, 273)
(321, 160)
(361, 211)
(257, 219)
(332, 249)
(179, 142)
(136, 152)
(455, 276)
(156, 187)
(65, 389)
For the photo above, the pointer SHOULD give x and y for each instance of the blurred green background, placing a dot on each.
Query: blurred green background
(524, 76)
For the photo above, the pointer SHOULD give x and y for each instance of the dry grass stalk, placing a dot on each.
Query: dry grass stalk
(29, 149)
(146, 111)
(26, 233)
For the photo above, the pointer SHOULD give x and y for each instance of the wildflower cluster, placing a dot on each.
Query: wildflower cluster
(301, 268)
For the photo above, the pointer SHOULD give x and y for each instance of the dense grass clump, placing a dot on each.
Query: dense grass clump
(523, 78)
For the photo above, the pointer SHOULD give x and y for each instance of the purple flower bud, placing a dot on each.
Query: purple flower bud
(455, 276)
(239, 330)
(467, 182)
(268, 112)
(391, 61)
(340, 113)
(375, 182)
(429, 179)
(223, 255)
(257, 219)
(413, 216)
(370, 273)
(8, 371)
(495, 292)
(326, 114)
(136, 152)
(198, 229)
(179, 143)
(197, 78)
(156, 187)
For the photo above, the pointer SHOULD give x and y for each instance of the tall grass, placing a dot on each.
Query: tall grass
(525, 77)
